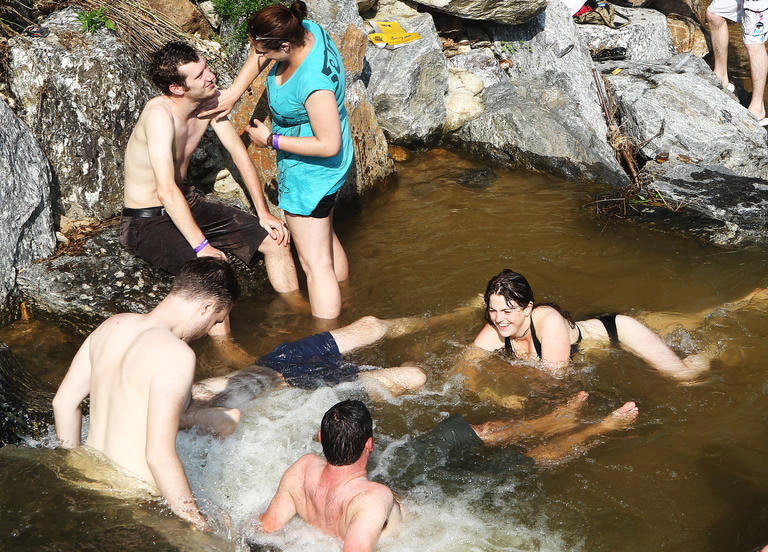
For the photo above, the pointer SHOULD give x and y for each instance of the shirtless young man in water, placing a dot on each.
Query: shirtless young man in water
(168, 224)
(138, 370)
(335, 495)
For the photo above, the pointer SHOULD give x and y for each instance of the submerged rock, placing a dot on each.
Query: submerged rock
(702, 122)
(80, 291)
(408, 85)
(81, 95)
(512, 12)
(732, 209)
(24, 404)
(26, 223)
(647, 37)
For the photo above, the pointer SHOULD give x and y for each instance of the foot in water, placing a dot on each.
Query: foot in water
(572, 406)
(621, 418)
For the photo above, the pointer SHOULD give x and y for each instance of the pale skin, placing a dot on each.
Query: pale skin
(138, 370)
(338, 500)
(236, 388)
(320, 252)
(156, 162)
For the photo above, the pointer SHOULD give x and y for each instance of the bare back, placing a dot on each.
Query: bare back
(123, 357)
(340, 510)
(160, 133)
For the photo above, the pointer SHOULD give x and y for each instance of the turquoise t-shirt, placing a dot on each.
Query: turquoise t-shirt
(303, 180)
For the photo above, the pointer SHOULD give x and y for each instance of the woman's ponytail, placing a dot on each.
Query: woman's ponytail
(299, 10)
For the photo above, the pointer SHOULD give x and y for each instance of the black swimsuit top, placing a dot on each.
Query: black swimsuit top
(537, 344)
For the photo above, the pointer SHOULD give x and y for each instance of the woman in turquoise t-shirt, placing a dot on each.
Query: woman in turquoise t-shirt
(310, 132)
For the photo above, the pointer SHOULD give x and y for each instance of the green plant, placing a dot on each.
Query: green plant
(94, 20)
(238, 12)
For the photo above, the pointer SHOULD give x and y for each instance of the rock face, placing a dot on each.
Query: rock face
(81, 95)
(408, 85)
(701, 121)
(647, 37)
(482, 63)
(549, 108)
(184, 14)
(512, 12)
(532, 125)
(738, 203)
(26, 224)
(81, 291)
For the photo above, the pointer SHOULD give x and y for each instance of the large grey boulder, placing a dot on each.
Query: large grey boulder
(480, 62)
(647, 37)
(81, 95)
(546, 59)
(80, 291)
(532, 125)
(512, 12)
(702, 122)
(408, 85)
(26, 223)
(732, 209)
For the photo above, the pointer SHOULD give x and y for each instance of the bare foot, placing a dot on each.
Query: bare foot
(572, 406)
(621, 418)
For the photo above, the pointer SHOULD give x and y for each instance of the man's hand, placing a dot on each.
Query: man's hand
(259, 133)
(276, 228)
(210, 251)
(220, 105)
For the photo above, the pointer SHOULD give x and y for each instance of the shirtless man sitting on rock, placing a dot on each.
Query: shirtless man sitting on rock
(335, 495)
(168, 224)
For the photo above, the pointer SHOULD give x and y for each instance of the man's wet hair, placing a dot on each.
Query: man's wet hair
(165, 63)
(516, 290)
(207, 277)
(344, 431)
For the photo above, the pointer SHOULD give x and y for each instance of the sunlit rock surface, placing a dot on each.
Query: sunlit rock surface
(81, 95)
(480, 62)
(733, 209)
(24, 403)
(512, 12)
(80, 291)
(646, 37)
(26, 224)
(408, 85)
(546, 116)
(701, 121)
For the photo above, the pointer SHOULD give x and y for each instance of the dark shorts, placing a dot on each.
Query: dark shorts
(312, 362)
(158, 241)
(323, 207)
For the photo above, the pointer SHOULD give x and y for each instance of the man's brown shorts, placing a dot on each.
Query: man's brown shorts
(158, 241)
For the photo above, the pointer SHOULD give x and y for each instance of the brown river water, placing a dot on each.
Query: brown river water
(691, 475)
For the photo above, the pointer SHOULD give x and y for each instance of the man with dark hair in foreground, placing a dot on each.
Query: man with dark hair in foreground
(167, 223)
(138, 370)
(335, 495)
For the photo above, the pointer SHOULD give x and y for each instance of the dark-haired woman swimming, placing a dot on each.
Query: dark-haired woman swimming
(516, 323)
(310, 132)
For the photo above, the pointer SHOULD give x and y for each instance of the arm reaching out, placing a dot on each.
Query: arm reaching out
(222, 105)
(72, 391)
(168, 396)
(234, 145)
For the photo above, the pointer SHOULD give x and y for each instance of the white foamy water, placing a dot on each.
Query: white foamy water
(239, 475)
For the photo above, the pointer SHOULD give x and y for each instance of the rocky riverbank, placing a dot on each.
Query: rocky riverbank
(512, 82)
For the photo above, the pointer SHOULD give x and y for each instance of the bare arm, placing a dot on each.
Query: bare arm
(73, 389)
(468, 366)
(555, 338)
(234, 145)
(168, 396)
(369, 513)
(160, 133)
(326, 126)
(282, 507)
(225, 102)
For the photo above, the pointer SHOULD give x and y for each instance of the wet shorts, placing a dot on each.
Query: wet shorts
(729, 9)
(157, 240)
(312, 362)
(754, 22)
(323, 207)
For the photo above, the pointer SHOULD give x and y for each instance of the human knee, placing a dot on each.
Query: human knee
(715, 21)
(413, 377)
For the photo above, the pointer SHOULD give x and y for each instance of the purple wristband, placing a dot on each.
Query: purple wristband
(275, 142)
(202, 245)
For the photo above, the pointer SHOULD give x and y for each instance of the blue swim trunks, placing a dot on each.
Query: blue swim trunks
(311, 362)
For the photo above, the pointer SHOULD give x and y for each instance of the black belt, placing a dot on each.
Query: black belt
(144, 212)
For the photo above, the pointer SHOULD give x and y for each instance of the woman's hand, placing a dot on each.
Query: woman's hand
(276, 228)
(259, 133)
(220, 105)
